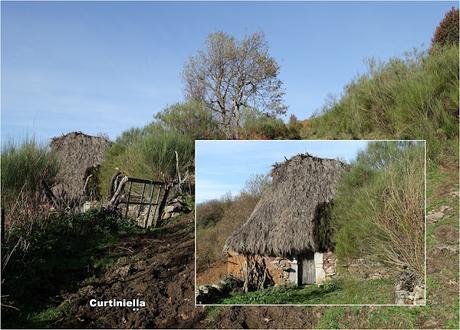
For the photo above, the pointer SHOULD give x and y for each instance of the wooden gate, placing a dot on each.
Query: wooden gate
(139, 197)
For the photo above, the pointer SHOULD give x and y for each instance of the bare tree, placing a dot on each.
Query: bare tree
(229, 75)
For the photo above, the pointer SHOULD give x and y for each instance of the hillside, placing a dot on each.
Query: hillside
(411, 98)
(414, 98)
(56, 258)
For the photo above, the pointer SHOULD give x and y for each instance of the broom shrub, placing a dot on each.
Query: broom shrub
(411, 98)
(378, 211)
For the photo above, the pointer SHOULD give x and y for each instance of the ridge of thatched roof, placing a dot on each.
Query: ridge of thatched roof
(77, 152)
(283, 221)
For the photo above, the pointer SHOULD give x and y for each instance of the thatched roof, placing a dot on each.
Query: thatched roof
(77, 153)
(284, 221)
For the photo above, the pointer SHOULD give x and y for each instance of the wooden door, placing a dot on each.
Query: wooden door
(307, 271)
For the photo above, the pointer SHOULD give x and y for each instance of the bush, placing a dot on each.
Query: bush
(209, 213)
(379, 207)
(256, 185)
(258, 125)
(416, 97)
(55, 252)
(447, 31)
(148, 153)
(24, 167)
(192, 119)
(221, 217)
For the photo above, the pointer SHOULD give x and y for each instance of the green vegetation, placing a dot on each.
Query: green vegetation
(47, 316)
(342, 291)
(258, 125)
(25, 166)
(217, 219)
(379, 207)
(412, 98)
(364, 317)
(192, 119)
(54, 254)
(442, 306)
(149, 153)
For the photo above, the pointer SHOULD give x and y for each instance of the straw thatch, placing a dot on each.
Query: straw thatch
(285, 220)
(79, 154)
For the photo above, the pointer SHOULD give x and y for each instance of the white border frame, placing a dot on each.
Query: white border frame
(302, 305)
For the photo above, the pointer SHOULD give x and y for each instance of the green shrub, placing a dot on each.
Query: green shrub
(412, 98)
(209, 213)
(192, 119)
(379, 207)
(148, 153)
(447, 31)
(24, 167)
(258, 125)
(55, 253)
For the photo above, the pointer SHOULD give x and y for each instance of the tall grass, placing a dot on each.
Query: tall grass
(379, 207)
(411, 98)
(149, 153)
(26, 167)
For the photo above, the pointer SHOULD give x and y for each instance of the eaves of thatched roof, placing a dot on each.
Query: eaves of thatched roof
(283, 222)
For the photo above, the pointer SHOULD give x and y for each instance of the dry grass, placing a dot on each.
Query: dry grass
(379, 209)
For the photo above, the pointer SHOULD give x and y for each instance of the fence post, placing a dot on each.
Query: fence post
(156, 206)
(152, 188)
(162, 204)
(127, 201)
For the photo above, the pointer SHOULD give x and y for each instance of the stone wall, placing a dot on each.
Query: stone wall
(284, 271)
(329, 264)
(278, 268)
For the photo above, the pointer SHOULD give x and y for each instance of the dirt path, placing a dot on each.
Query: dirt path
(159, 269)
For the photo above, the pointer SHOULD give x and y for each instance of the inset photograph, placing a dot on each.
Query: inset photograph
(310, 222)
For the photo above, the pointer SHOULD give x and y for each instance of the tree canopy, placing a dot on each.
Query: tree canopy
(230, 75)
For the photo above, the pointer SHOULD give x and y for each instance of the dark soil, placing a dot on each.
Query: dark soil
(159, 269)
(266, 318)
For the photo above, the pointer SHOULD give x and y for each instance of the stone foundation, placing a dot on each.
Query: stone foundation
(408, 291)
(285, 271)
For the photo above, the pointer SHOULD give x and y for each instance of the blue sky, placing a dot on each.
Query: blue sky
(103, 67)
(225, 166)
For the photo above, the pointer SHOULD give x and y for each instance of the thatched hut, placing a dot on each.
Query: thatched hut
(80, 156)
(287, 234)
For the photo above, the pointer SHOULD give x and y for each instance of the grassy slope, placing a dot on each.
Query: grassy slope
(415, 104)
(337, 292)
(442, 271)
(413, 99)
